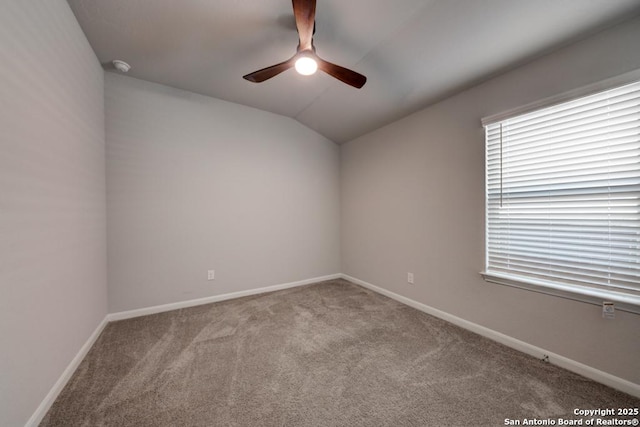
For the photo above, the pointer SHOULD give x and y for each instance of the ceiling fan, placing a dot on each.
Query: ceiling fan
(305, 60)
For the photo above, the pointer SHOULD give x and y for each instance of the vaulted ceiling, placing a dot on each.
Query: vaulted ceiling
(414, 52)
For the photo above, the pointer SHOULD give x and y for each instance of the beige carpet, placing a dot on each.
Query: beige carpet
(329, 354)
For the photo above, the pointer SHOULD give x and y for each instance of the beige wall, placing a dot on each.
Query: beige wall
(413, 201)
(52, 200)
(196, 183)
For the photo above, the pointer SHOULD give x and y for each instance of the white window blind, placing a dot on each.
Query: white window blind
(563, 194)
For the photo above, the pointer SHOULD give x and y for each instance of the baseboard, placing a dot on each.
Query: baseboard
(564, 362)
(556, 359)
(46, 403)
(216, 298)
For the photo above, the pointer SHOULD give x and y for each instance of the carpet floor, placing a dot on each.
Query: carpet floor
(328, 354)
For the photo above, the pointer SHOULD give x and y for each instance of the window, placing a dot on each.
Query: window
(563, 198)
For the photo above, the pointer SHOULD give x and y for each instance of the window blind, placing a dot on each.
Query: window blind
(563, 193)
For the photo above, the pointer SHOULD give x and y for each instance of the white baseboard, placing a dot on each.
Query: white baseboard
(39, 414)
(556, 359)
(216, 298)
(45, 405)
(564, 362)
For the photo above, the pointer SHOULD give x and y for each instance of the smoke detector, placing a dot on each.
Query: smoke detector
(121, 66)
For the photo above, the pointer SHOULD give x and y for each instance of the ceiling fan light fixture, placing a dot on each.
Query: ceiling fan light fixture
(306, 65)
(305, 61)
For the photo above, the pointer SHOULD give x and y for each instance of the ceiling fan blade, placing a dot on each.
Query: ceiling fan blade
(272, 71)
(345, 75)
(305, 13)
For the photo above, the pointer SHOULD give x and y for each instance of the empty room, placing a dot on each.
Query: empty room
(319, 213)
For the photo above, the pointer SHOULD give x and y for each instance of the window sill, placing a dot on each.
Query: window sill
(623, 301)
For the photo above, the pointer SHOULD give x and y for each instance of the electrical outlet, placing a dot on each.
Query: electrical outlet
(410, 278)
(211, 274)
(608, 310)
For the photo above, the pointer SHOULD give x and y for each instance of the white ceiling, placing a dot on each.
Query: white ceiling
(414, 52)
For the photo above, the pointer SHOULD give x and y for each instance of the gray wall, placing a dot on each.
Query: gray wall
(196, 183)
(413, 201)
(52, 200)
